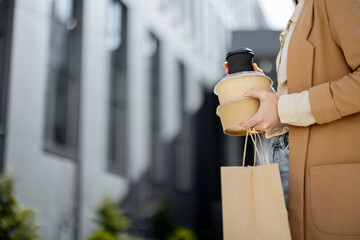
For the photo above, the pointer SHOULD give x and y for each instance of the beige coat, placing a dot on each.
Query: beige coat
(324, 58)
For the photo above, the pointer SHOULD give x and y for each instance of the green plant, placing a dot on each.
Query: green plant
(165, 229)
(163, 226)
(125, 236)
(102, 235)
(16, 222)
(111, 218)
(112, 221)
(182, 234)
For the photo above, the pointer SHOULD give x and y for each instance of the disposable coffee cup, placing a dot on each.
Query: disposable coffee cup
(240, 60)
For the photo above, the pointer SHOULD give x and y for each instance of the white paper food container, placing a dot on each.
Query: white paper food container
(235, 85)
(235, 112)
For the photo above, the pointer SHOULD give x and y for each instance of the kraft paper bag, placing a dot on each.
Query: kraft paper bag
(253, 201)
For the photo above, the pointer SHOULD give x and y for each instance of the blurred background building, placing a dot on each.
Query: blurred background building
(115, 98)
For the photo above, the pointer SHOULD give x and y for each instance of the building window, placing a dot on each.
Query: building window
(182, 79)
(117, 45)
(63, 93)
(153, 51)
(6, 21)
(184, 165)
(2, 139)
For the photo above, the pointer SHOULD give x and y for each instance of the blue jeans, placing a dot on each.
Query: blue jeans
(279, 153)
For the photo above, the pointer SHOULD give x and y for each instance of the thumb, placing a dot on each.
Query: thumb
(256, 93)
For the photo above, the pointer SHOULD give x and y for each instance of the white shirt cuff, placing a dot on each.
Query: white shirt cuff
(294, 109)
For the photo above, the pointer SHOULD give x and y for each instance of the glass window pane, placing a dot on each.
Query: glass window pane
(155, 81)
(6, 22)
(118, 125)
(2, 60)
(60, 110)
(182, 86)
(61, 26)
(1, 154)
(184, 159)
(116, 38)
(114, 25)
(63, 11)
(183, 148)
(64, 78)
(153, 48)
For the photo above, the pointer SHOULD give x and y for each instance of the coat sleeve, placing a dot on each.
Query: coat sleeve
(334, 100)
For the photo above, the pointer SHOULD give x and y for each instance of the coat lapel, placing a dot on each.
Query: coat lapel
(301, 51)
(299, 71)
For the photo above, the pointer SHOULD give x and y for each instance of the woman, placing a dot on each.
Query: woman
(318, 104)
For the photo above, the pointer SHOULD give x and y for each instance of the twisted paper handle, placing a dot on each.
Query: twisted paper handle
(253, 134)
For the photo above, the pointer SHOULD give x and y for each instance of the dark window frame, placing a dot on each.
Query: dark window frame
(64, 82)
(118, 162)
(184, 141)
(6, 26)
(157, 171)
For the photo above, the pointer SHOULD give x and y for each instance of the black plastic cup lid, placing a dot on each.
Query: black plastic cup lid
(240, 50)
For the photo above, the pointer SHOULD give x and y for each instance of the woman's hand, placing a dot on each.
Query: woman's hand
(255, 67)
(267, 117)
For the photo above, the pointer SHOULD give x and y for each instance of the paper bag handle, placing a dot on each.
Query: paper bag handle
(253, 134)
